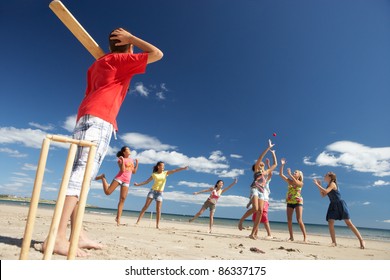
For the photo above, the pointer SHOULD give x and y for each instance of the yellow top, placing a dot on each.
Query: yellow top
(159, 181)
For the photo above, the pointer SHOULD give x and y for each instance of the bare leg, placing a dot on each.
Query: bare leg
(84, 241)
(249, 212)
(356, 232)
(122, 198)
(290, 212)
(146, 206)
(211, 221)
(158, 213)
(197, 214)
(298, 213)
(268, 229)
(332, 232)
(108, 189)
(61, 246)
(260, 203)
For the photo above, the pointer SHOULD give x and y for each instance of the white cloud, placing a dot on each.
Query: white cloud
(235, 156)
(41, 126)
(366, 203)
(194, 184)
(31, 138)
(381, 183)
(70, 123)
(142, 141)
(160, 95)
(215, 164)
(141, 89)
(386, 221)
(12, 153)
(355, 156)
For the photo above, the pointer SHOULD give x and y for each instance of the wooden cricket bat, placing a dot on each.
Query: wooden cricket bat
(75, 27)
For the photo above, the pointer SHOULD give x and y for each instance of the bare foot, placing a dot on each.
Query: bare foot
(290, 239)
(191, 220)
(269, 237)
(99, 177)
(240, 225)
(254, 237)
(362, 244)
(61, 247)
(333, 245)
(86, 243)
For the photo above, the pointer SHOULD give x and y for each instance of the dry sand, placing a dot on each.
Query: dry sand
(180, 241)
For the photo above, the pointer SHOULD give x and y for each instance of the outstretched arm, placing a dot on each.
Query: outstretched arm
(270, 145)
(144, 182)
(230, 186)
(177, 170)
(206, 190)
(154, 54)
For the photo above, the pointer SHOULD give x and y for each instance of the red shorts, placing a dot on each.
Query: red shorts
(264, 215)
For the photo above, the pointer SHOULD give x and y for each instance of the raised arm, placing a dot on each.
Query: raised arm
(154, 54)
(272, 168)
(144, 182)
(260, 159)
(292, 178)
(281, 174)
(135, 167)
(230, 186)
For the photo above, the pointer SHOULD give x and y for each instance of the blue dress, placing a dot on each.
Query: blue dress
(337, 209)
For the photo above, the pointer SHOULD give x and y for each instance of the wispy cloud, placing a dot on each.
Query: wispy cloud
(12, 153)
(355, 156)
(235, 156)
(70, 123)
(144, 142)
(42, 126)
(194, 184)
(380, 183)
(145, 91)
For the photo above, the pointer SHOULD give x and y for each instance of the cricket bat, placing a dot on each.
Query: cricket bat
(75, 27)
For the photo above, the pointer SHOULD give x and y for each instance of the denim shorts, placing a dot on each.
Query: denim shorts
(256, 192)
(92, 129)
(158, 196)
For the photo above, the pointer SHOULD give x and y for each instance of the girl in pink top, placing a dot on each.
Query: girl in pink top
(211, 202)
(126, 169)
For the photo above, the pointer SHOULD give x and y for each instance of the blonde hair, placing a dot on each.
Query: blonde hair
(300, 175)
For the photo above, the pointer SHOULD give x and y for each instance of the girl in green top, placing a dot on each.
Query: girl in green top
(294, 198)
(159, 176)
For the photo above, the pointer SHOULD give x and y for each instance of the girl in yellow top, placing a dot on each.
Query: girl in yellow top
(294, 198)
(159, 176)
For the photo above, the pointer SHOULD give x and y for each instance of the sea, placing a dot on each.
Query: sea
(311, 229)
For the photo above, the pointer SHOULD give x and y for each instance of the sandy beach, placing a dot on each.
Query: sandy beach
(180, 241)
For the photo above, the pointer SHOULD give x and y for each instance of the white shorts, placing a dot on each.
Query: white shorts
(92, 129)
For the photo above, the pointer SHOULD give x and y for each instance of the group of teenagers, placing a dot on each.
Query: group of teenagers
(258, 199)
(108, 81)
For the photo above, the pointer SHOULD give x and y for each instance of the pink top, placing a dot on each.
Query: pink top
(125, 176)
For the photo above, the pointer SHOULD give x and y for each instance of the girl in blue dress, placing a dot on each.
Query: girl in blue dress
(337, 209)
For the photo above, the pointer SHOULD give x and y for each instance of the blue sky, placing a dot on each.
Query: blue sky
(316, 73)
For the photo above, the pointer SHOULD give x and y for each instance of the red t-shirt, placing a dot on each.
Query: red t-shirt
(107, 83)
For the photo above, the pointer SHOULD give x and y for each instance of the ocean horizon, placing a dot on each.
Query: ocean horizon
(311, 229)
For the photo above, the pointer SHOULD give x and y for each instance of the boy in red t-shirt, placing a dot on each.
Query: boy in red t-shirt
(108, 80)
